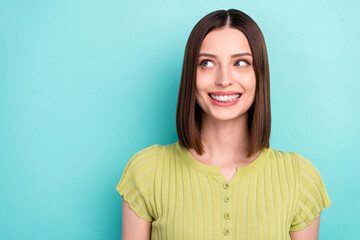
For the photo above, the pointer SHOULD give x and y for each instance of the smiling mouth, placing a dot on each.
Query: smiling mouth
(225, 98)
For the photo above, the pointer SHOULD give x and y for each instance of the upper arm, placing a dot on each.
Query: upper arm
(311, 198)
(310, 232)
(133, 226)
(136, 187)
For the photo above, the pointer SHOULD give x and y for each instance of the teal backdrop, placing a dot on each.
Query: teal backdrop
(86, 84)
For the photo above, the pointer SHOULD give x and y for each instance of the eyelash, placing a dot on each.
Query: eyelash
(205, 60)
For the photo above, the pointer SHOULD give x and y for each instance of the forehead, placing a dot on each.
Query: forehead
(225, 40)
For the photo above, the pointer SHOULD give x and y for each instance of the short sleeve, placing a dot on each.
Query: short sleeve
(313, 197)
(136, 183)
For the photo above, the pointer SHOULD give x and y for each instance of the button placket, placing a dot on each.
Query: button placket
(226, 209)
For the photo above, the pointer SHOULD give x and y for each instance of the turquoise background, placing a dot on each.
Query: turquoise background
(86, 84)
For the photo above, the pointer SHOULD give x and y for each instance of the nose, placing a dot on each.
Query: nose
(224, 78)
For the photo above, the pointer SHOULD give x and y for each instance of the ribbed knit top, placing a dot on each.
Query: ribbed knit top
(186, 199)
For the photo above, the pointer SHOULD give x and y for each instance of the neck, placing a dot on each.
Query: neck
(225, 142)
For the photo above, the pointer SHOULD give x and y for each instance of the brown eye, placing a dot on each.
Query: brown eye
(206, 63)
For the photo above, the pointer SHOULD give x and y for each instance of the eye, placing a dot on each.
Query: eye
(242, 63)
(206, 63)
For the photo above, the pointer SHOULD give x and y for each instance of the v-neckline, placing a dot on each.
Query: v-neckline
(215, 170)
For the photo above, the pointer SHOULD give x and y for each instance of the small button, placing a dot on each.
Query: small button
(226, 185)
(227, 199)
(226, 231)
(227, 215)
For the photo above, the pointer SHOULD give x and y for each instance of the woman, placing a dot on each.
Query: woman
(222, 180)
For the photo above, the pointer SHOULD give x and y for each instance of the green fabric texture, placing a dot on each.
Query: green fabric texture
(185, 199)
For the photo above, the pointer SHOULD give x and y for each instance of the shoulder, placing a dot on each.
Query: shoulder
(168, 148)
(146, 153)
(280, 157)
(153, 154)
(136, 185)
(312, 196)
(141, 165)
(296, 164)
(164, 152)
(299, 160)
(310, 177)
(307, 167)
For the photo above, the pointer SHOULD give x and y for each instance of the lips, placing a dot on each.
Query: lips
(224, 99)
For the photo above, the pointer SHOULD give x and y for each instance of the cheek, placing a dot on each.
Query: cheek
(252, 88)
(202, 83)
(200, 99)
(250, 83)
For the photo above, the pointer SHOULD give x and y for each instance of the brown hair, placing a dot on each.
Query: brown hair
(188, 112)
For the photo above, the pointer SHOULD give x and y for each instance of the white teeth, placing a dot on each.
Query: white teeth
(225, 98)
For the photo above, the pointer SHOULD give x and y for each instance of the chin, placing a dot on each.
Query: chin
(227, 117)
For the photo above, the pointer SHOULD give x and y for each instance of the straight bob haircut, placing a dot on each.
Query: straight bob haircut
(188, 112)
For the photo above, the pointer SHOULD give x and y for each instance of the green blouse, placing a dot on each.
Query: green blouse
(185, 199)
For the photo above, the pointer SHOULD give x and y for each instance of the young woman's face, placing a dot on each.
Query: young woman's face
(225, 77)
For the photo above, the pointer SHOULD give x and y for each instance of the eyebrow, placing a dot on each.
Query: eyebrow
(233, 56)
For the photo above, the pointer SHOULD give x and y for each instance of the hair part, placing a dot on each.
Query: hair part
(188, 112)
